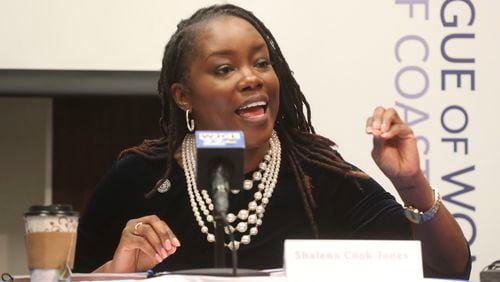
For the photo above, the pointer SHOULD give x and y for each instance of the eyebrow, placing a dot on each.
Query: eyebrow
(229, 52)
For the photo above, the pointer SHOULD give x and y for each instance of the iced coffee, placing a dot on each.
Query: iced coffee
(50, 241)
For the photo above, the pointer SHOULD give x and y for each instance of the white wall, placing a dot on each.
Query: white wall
(342, 53)
(93, 34)
(25, 172)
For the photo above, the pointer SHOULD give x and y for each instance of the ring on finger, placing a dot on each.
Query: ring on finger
(136, 227)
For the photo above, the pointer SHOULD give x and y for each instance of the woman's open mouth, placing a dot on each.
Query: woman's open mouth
(253, 110)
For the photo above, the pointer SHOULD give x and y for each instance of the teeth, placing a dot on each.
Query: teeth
(254, 104)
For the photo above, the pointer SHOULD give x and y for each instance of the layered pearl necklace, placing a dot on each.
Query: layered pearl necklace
(246, 221)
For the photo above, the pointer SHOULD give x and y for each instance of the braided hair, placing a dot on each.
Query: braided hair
(293, 124)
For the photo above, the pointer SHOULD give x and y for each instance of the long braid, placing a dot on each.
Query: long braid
(293, 122)
(304, 186)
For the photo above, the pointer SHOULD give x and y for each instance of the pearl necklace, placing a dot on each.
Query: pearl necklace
(246, 221)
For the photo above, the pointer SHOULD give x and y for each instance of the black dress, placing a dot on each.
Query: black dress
(344, 210)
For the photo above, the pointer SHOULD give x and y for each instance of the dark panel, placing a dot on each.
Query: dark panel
(89, 133)
(54, 83)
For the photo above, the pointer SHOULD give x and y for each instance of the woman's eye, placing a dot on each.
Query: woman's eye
(223, 69)
(262, 63)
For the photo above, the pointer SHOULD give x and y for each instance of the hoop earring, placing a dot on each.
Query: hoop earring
(189, 122)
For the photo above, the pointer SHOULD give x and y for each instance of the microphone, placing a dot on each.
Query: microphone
(220, 157)
(219, 165)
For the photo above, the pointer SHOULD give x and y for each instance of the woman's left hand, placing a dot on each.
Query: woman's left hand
(394, 146)
(395, 151)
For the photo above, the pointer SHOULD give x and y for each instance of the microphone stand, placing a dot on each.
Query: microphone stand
(220, 188)
(220, 195)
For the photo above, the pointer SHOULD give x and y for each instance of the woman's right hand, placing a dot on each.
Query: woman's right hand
(144, 243)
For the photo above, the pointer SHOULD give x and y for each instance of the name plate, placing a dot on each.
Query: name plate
(353, 260)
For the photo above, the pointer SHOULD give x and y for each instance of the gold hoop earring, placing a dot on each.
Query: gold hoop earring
(189, 122)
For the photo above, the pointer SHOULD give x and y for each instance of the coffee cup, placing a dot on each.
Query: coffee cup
(50, 236)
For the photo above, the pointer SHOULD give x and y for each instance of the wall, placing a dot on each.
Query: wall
(343, 55)
(25, 171)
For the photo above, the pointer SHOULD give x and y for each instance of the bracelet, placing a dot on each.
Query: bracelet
(417, 217)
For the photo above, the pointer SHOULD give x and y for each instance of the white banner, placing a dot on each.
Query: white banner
(437, 63)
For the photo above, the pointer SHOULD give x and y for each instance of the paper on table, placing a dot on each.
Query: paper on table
(276, 274)
(95, 277)
(202, 278)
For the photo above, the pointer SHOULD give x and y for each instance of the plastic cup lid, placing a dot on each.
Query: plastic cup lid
(56, 209)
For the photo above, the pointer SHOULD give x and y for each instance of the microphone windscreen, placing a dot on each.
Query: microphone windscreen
(220, 147)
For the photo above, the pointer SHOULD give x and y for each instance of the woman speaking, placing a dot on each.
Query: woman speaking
(223, 70)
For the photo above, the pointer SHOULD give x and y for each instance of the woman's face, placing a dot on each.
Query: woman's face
(231, 83)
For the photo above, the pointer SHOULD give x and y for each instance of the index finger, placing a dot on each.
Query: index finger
(389, 118)
(377, 118)
(165, 233)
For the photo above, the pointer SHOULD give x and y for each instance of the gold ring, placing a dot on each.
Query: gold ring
(136, 227)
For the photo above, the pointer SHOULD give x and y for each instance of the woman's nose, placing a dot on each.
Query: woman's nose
(250, 80)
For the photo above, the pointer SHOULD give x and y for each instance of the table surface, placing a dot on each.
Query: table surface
(275, 276)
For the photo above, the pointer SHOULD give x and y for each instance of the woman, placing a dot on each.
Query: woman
(223, 70)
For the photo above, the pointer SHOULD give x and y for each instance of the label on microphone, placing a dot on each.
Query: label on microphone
(216, 148)
(219, 139)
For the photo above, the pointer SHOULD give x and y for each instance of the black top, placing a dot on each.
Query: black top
(344, 211)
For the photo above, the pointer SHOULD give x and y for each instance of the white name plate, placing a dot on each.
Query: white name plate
(353, 260)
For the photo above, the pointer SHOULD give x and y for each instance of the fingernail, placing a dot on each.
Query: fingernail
(176, 242)
(384, 134)
(172, 251)
(164, 253)
(158, 258)
(168, 245)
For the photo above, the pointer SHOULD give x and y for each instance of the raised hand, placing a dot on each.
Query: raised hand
(394, 145)
(396, 154)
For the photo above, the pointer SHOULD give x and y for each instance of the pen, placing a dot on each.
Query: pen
(151, 273)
